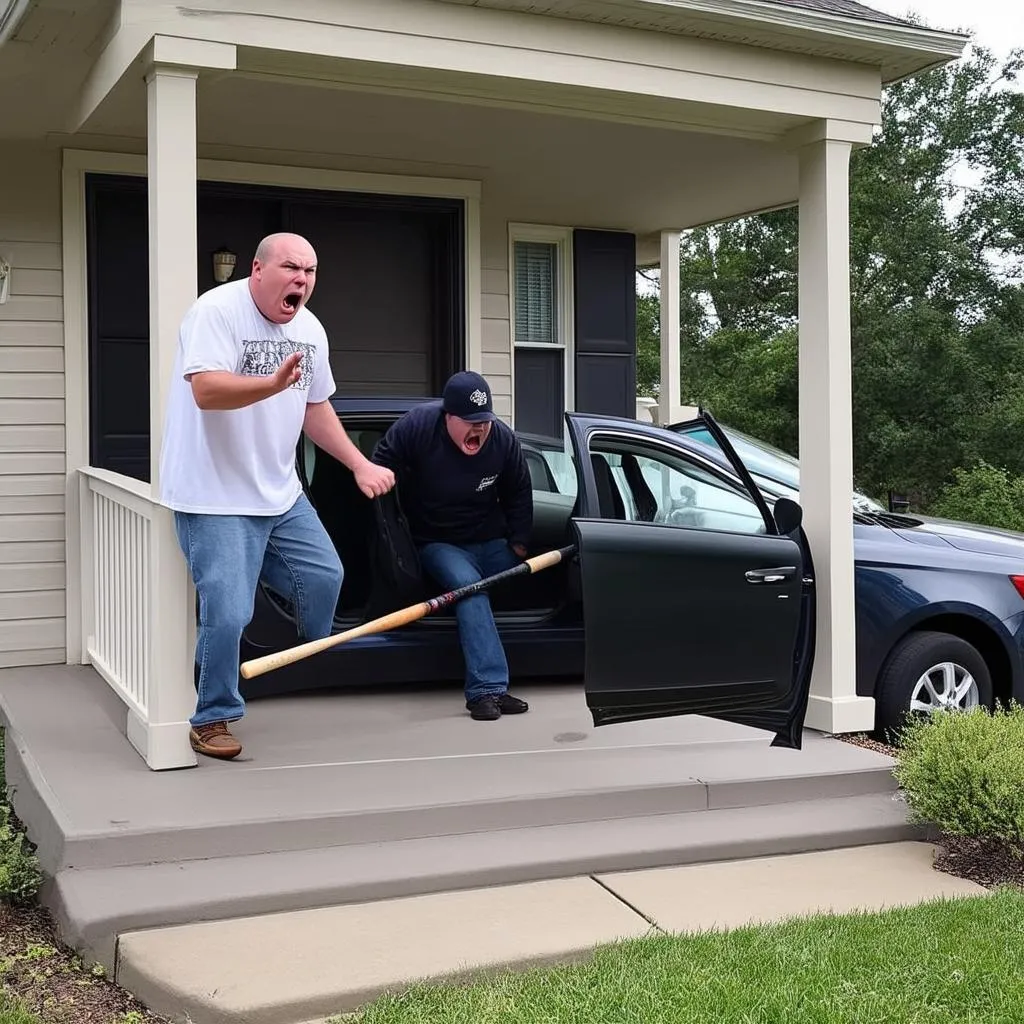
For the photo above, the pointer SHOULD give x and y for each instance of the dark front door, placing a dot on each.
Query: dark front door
(389, 292)
(118, 271)
(693, 602)
(383, 293)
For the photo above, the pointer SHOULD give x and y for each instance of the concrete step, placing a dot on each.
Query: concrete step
(94, 906)
(283, 968)
(215, 813)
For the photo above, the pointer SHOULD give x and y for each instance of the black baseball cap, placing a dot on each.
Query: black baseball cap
(468, 396)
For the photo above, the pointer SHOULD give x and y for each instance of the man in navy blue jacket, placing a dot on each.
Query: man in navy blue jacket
(466, 492)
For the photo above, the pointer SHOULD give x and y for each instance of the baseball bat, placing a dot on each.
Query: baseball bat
(402, 617)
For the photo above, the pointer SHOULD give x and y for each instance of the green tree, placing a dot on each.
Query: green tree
(648, 345)
(983, 494)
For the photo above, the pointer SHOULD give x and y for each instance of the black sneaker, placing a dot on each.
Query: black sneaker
(493, 706)
(485, 709)
(512, 705)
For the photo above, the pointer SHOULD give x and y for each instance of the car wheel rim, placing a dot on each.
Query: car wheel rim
(945, 687)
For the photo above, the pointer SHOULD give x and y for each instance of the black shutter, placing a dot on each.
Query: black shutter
(605, 313)
(540, 390)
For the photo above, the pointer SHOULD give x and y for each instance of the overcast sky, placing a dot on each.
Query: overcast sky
(997, 24)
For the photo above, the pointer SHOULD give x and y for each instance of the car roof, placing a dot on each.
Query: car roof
(397, 405)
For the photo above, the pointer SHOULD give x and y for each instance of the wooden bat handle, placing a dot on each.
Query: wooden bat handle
(545, 560)
(270, 662)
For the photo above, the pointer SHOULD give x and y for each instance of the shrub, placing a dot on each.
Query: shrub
(20, 874)
(984, 495)
(964, 773)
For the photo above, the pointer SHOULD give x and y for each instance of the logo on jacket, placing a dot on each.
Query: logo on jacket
(486, 482)
(478, 397)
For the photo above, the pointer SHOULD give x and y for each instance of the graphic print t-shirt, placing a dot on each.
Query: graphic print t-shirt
(239, 461)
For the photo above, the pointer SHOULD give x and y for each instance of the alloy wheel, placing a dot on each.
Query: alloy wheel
(946, 686)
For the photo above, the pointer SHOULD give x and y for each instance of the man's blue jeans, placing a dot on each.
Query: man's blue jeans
(456, 566)
(227, 556)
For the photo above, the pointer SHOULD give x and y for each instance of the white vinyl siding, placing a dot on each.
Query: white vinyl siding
(32, 481)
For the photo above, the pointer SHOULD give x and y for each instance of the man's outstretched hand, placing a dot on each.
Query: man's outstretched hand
(288, 372)
(374, 480)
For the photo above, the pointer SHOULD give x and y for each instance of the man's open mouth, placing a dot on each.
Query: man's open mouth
(292, 300)
(473, 442)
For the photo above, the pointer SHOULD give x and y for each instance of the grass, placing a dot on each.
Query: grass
(946, 961)
(13, 1012)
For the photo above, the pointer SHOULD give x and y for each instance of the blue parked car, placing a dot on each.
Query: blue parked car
(692, 589)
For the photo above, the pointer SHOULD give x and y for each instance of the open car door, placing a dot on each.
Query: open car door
(694, 593)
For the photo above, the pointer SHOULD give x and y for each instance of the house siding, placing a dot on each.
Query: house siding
(32, 443)
(495, 333)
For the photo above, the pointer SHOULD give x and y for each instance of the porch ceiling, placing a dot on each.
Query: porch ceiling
(46, 59)
(534, 166)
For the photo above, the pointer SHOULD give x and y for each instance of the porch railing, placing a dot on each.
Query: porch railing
(138, 612)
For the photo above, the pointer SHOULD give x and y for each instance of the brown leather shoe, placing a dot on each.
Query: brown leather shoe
(214, 740)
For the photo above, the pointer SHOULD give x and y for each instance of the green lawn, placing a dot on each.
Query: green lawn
(12, 1012)
(950, 961)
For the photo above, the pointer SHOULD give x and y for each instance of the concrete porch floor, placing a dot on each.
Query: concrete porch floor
(354, 796)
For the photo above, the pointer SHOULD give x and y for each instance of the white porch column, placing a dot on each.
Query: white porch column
(826, 435)
(669, 394)
(172, 177)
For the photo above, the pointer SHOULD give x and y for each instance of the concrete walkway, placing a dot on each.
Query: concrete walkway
(300, 966)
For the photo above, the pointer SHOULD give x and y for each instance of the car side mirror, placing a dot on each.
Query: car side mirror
(788, 515)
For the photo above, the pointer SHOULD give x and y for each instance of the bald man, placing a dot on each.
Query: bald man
(252, 375)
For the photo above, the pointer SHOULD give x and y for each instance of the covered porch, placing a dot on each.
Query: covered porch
(537, 128)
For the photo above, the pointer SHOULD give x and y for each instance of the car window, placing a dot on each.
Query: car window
(563, 468)
(775, 472)
(658, 486)
(363, 436)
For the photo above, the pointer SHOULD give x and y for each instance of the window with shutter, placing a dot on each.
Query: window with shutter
(540, 308)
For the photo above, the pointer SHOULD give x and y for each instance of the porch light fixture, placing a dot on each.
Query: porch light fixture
(223, 265)
(5, 280)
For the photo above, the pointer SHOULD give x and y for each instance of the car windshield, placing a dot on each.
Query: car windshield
(773, 470)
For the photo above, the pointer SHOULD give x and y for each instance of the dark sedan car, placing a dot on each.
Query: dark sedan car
(692, 591)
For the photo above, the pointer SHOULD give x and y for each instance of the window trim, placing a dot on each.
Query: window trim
(562, 238)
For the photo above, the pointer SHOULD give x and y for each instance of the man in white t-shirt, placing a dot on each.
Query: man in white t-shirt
(252, 374)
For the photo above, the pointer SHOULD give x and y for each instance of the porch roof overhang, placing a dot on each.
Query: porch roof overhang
(898, 48)
(739, 67)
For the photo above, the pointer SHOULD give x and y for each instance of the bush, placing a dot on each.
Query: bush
(964, 773)
(985, 495)
(20, 874)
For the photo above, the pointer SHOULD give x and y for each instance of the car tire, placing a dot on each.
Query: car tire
(902, 678)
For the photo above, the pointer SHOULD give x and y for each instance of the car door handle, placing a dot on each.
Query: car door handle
(778, 575)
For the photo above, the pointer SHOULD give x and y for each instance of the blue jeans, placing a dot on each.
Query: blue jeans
(227, 556)
(456, 566)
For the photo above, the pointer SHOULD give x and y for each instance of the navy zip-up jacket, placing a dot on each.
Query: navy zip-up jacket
(452, 497)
